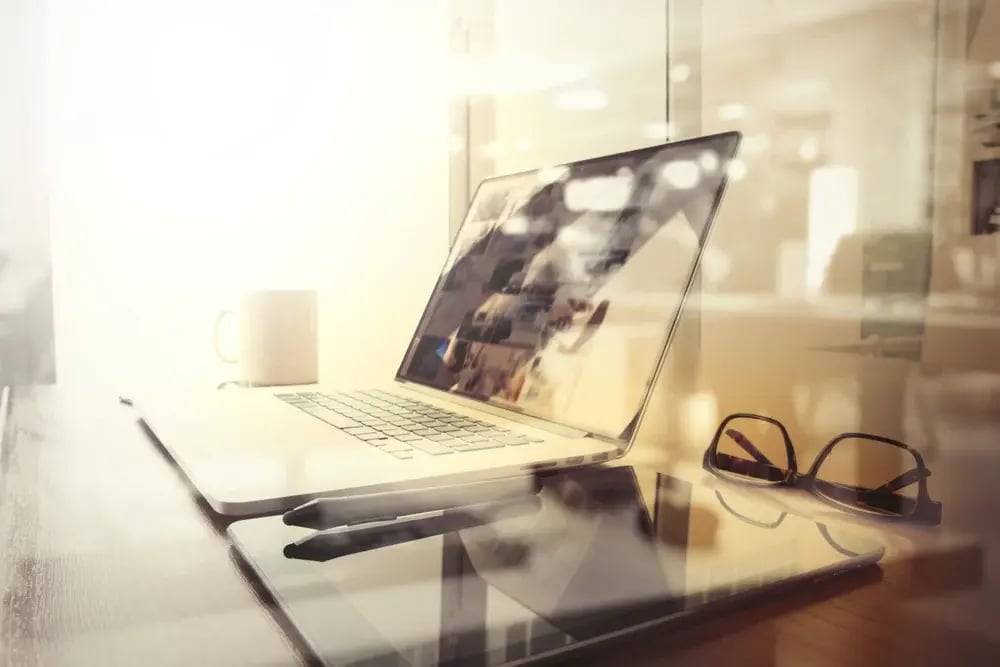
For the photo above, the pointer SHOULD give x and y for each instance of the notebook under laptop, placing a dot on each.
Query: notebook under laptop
(538, 348)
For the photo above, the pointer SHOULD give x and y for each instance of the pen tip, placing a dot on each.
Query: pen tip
(302, 515)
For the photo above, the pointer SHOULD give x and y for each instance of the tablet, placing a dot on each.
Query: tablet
(600, 553)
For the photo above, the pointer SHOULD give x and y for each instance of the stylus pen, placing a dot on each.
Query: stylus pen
(324, 546)
(324, 513)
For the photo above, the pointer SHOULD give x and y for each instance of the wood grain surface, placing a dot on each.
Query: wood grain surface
(109, 558)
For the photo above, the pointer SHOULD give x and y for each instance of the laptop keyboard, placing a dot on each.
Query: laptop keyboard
(402, 426)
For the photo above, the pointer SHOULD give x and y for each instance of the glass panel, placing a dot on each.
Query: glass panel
(819, 269)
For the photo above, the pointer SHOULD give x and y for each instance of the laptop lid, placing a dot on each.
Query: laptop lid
(565, 284)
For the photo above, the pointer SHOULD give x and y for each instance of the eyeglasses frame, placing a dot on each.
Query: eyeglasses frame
(925, 510)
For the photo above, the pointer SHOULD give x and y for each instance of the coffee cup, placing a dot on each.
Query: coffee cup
(273, 337)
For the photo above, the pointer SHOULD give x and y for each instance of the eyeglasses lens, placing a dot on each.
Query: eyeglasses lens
(751, 448)
(870, 475)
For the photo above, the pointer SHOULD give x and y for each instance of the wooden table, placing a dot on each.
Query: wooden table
(109, 558)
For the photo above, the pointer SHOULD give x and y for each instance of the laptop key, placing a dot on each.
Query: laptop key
(429, 447)
(407, 438)
(329, 416)
(475, 446)
(425, 431)
(374, 435)
(390, 445)
(513, 440)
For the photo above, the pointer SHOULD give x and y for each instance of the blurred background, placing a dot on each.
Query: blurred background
(158, 157)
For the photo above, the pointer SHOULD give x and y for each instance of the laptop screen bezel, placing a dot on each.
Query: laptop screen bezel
(627, 437)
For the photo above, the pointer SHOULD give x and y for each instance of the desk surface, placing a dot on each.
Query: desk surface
(108, 558)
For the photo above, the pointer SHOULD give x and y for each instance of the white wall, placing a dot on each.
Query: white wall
(26, 353)
(23, 232)
(201, 146)
(576, 82)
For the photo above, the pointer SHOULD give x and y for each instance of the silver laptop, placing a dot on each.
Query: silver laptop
(538, 348)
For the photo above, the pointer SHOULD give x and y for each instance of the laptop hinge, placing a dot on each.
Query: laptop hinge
(506, 413)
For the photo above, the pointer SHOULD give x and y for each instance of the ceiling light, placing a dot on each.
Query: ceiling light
(809, 149)
(737, 169)
(681, 174)
(709, 161)
(680, 73)
(732, 111)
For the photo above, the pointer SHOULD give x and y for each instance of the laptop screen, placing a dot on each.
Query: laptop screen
(563, 284)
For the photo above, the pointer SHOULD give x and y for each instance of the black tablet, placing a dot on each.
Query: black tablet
(601, 553)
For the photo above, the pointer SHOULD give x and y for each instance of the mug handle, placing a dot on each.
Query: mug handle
(216, 340)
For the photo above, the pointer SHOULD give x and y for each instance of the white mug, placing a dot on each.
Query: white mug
(276, 334)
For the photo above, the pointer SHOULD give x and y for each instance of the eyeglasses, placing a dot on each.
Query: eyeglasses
(859, 472)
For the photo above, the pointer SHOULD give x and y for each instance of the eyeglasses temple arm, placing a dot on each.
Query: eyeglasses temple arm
(748, 446)
(902, 481)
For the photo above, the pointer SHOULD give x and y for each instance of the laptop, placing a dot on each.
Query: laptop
(538, 348)
(604, 553)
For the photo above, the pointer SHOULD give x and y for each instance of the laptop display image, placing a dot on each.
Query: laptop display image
(558, 271)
